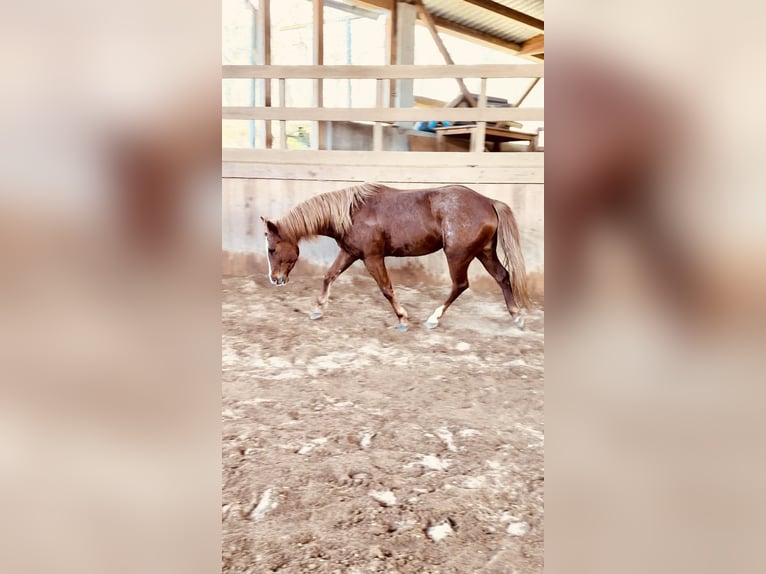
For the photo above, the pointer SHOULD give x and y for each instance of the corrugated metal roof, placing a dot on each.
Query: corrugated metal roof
(483, 20)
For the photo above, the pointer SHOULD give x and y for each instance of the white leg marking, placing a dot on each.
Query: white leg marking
(269, 261)
(434, 318)
(326, 297)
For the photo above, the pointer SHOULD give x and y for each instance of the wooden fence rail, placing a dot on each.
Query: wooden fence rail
(382, 113)
(394, 72)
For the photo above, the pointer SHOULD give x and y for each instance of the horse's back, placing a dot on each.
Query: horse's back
(422, 221)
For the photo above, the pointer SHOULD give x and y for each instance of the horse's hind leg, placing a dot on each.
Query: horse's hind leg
(458, 270)
(377, 268)
(342, 262)
(488, 258)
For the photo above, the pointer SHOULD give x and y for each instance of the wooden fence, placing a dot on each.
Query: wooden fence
(382, 113)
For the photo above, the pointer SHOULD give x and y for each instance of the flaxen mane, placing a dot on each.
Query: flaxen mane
(330, 210)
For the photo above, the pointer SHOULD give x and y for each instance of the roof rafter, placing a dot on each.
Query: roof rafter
(508, 13)
(478, 36)
(535, 45)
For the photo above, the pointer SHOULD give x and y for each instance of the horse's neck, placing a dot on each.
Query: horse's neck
(313, 231)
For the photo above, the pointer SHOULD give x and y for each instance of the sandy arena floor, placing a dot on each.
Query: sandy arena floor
(350, 447)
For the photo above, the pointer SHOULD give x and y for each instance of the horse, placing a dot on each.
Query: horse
(371, 221)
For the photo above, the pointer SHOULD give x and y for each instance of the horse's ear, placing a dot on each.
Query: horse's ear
(271, 226)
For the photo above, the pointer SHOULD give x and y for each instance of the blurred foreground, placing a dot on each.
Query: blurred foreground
(655, 251)
(109, 195)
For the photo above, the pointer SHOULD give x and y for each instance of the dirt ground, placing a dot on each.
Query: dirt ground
(350, 447)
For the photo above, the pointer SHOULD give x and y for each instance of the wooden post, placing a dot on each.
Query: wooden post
(406, 14)
(426, 15)
(319, 129)
(382, 96)
(263, 58)
(282, 123)
(391, 47)
(479, 134)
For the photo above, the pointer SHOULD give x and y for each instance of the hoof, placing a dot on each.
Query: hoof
(519, 322)
(402, 327)
(315, 315)
(432, 325)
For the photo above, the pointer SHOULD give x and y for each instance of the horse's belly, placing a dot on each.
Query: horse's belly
(413, 246)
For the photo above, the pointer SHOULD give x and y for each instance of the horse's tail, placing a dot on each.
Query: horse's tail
(508, 237)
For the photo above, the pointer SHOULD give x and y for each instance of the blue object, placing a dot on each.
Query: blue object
(431, 126)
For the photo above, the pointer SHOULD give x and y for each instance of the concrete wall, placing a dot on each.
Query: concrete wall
(246, 199)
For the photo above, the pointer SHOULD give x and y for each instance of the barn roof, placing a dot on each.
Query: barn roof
(513, 25)
(512, 21)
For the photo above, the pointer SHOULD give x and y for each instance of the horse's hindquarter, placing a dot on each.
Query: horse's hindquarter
(466, 217)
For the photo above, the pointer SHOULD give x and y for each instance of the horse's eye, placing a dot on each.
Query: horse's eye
(271, 250)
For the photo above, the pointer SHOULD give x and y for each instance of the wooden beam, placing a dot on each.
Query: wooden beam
(390, 42)
(356, 9)
(483, 38)
(384, 114)
(377, 129)
(535, 45)
(392, 158)
(282, 123)
(526, 92)
(406, 16)
(477, 137)
(320, 129)
(460, 166)
(391, 47)
(380, 4)
(385, 72)
(508, 13)
(263, 56)
(425, 102)
(442, 48)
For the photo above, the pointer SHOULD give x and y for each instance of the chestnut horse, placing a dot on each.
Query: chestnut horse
(371, 221)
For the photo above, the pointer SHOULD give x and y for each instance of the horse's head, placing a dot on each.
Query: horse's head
(281, 252)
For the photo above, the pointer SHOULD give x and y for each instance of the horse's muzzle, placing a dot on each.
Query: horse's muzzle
(280, 281)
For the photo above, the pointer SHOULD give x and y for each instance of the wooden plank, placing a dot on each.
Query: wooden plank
(443, 49)
(263, 58)
(419, 174)
(266, 8)
(390, 41)
(466, 33)
(425, 102)
(477, 137)
(489, 131)
(381, 4)
(391, 45)
(535, 45)
(388, 158)
(406, 16)
(377, 129)
(526, 92)
(282, 123)
(392, 72)
(508, 13)
(319, 129)
(384, 114)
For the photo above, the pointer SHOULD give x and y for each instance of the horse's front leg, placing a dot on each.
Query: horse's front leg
(377, 268)
(342, 262)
